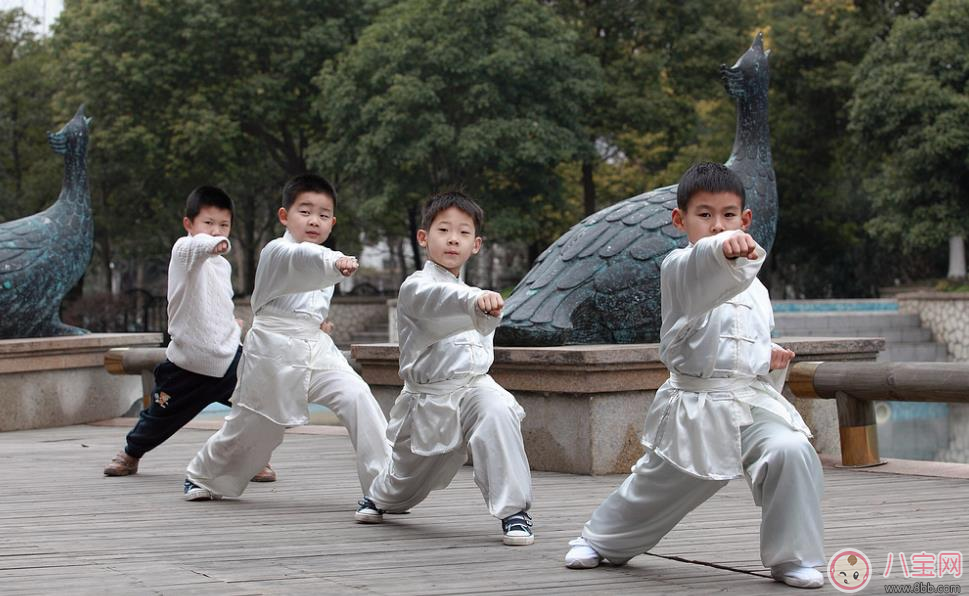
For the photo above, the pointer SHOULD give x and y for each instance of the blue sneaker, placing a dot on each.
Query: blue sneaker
(194, 492)
(517, 529)
(368, 512)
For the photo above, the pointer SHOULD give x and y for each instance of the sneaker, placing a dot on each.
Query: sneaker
(582, 555)
(194, 492)
(368, 512)
(797, 576)
(122, 465)
(267, 474)
(517, 529)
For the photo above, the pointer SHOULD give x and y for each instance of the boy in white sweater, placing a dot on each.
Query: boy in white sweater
(449, 402)
(720, 415)
(200, 368)
(288, 361)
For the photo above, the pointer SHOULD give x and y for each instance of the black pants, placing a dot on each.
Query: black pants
(178, 396)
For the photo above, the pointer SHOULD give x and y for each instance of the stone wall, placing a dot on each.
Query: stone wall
(60, 381)
(946, 314)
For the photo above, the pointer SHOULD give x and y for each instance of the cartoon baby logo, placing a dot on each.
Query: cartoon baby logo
(849, 570)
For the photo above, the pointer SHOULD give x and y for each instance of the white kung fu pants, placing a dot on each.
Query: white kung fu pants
(492, 430)
(785, 478)
(247, 439)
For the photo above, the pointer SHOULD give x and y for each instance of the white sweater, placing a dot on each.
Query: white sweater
(205, 336)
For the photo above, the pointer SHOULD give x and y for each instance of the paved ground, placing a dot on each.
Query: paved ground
(66, 529)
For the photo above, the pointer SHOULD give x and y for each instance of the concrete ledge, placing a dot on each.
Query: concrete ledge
(59, 381)
(585, 405)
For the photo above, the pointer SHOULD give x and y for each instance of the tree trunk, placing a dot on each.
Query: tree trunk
(588, 188)
(957, 257)
(412, 226)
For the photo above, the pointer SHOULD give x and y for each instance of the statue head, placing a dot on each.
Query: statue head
(72, 138)
(749, 75)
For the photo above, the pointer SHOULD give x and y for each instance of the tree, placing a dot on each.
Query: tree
(662, 105)
(30, 173)
(484, 95)
(910, 110)
(194, 92)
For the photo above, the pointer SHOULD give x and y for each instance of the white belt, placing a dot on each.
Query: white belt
(709, 385)
(295, 327)
(438, 387)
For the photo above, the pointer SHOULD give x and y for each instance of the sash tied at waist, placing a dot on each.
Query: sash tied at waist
(433, 414)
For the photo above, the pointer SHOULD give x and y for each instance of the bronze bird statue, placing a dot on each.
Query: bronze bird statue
(599, 282)
(43, 255)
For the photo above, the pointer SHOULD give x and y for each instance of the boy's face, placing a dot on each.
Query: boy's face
(451, 240)
(210, 220)
(709, 213)
(310, 218)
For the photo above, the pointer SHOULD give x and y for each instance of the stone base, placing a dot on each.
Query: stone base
(585, 405)
(59, 381)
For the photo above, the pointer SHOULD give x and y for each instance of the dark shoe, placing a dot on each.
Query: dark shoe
(517, 529)
(122, 465)
(194, 492)
(368, 512)
(267, 474)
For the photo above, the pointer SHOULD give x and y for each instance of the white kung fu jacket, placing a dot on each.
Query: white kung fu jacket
(715, 341)
(291, 298)
(446, 345)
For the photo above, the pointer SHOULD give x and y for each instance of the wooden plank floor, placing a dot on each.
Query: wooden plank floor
(67, 529)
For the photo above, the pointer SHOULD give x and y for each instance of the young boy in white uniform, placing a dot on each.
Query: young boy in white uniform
(449, 402)
(201, 359)
(288, 361)
(720, 415)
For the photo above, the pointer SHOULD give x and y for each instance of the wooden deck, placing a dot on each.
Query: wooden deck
(66, 529)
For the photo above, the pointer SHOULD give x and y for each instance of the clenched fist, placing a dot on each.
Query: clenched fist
(491, 303)
(740, 245)
(221, 248)
(780, 357)
(347, 265)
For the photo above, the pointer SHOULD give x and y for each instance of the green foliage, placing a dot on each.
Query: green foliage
(910, 110)
(192, 92)
(29, 171)
(481, 95)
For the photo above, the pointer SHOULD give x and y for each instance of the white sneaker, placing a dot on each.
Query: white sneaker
(582, 555)
(797, 576)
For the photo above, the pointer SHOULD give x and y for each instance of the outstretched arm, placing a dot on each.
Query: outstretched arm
(716, 269)
(443, 309)
(293, 267)
(191, 251)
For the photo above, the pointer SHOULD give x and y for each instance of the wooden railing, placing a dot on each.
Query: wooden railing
(136, 361)
(857, 385)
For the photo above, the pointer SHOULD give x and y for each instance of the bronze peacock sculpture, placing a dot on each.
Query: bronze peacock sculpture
(43, 255)
(599, 282)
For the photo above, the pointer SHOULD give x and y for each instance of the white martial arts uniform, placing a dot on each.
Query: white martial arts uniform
(449, 402)
(719, 417)
(288, 362)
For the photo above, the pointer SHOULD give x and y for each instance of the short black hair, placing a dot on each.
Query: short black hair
(297, 185)
(206, 196)
(452, 198)
(710, 177)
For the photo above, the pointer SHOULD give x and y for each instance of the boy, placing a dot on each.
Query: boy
(200, 364)
(449, 402)
(288, 361)
(718, 416)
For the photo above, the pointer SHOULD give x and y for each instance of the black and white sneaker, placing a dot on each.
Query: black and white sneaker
(517, 529)
(368, 512)
(194, 492)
